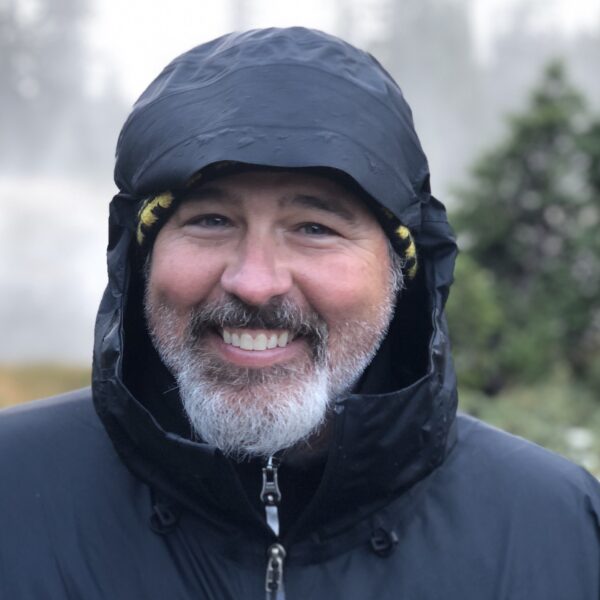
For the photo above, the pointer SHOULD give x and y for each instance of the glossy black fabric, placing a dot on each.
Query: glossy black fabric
(413, 501)
(499, 519)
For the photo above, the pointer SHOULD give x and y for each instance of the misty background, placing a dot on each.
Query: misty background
(506, 100)
(68, 82)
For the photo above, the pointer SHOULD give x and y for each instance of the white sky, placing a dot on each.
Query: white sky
(138, 37)
(569, 16)
(141, 37)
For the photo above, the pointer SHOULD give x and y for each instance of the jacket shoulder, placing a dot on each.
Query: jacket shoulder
(503, 455)
(61, 419)
(55, 406)
(521, 481)
(47, 443)
(504, 508)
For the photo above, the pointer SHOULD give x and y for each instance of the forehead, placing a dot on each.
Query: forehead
(287, 188)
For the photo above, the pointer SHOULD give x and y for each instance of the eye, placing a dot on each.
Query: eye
(315, 229)
(209, 221)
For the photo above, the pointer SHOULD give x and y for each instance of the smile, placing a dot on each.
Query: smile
(257, 339)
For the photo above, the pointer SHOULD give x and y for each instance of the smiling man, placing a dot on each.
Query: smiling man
(273, 406)
(267, 296)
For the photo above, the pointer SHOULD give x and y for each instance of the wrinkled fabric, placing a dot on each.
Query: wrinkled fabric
(105, 493)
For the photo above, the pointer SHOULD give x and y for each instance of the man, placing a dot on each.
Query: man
(272, 375)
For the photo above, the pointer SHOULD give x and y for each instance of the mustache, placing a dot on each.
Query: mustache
(233, 313)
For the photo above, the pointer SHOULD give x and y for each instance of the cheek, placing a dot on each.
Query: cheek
(182, 277)
(347, 289)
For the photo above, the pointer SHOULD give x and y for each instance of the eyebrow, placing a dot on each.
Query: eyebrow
(329, 205)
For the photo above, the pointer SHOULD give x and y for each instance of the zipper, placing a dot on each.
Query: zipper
(270, 496)
(274, 579)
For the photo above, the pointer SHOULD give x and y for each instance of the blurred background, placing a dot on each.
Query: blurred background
(506, 99)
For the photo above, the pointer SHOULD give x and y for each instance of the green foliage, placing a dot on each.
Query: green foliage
(476, 320)
(557, 414)
(528, 222)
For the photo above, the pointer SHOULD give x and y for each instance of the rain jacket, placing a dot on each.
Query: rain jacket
(105, 493)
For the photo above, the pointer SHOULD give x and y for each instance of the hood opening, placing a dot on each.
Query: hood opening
(403, 356)
(144, 373)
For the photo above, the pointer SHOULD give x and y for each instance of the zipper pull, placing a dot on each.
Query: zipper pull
(274, 580)
(270, 495)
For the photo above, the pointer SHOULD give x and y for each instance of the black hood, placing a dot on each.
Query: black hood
(279, 97)
(291, 98)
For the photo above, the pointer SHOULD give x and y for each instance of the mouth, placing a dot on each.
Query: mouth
(256, 340)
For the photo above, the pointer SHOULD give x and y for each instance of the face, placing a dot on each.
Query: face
(267, 296)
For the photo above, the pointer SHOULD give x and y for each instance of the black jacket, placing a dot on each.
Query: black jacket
(106, 495)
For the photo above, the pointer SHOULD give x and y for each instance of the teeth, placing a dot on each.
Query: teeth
(246, 342)
(260, 341)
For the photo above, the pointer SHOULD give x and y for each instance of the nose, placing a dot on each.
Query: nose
(256, 274)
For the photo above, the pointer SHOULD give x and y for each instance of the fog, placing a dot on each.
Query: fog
(70, 69)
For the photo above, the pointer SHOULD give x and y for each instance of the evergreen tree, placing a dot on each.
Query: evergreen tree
(528, 222)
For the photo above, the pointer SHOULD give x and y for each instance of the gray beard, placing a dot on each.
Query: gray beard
(248, 412)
